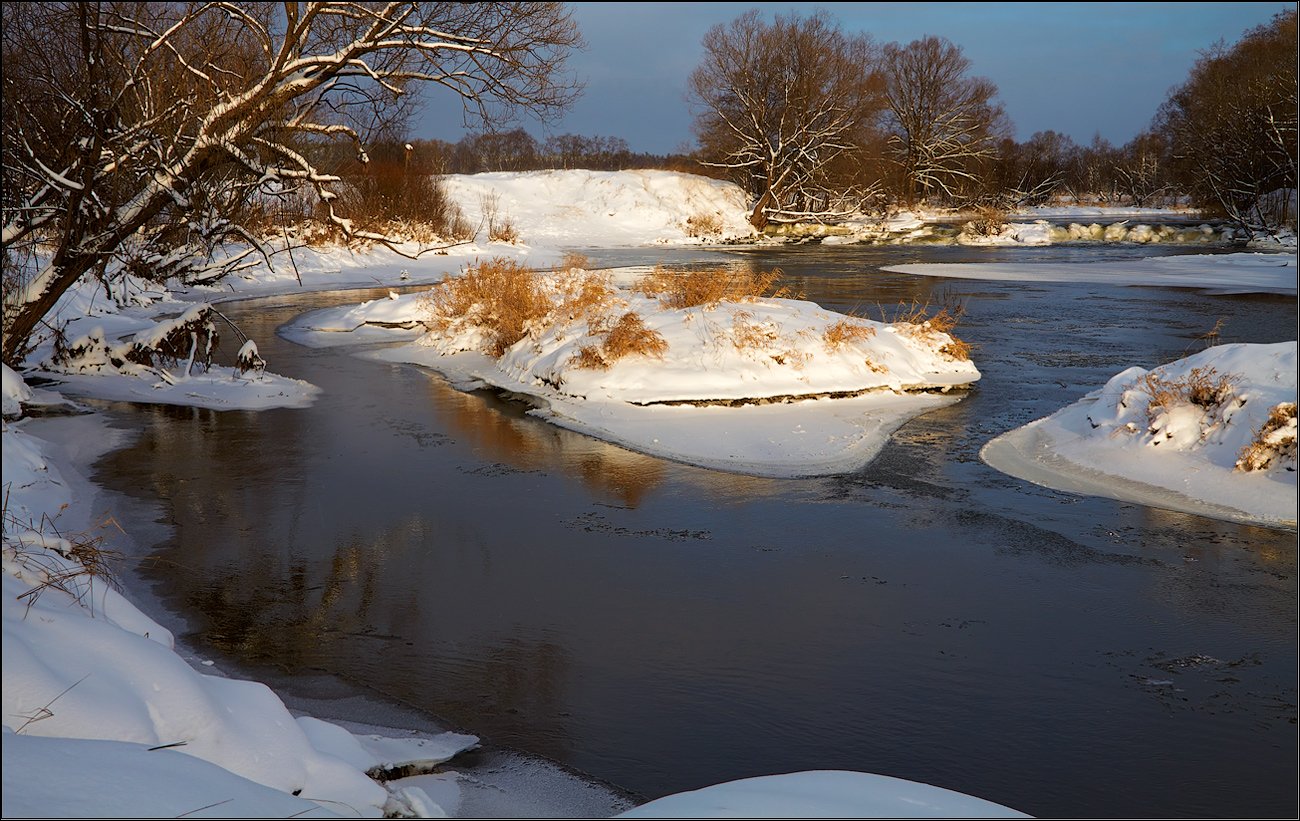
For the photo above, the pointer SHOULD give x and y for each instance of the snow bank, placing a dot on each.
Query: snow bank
(15, 392)
(822, 794)
(1171, 437)
(76, 778)
(81, 662)
(604, 209)
(767, 386)
(1216, 273)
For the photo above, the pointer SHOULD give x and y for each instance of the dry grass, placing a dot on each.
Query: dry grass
(1275, 443)
(1202, 387)
(846, 332)
(747, 335)
(916, 320)
(627, 337)
(709, 286)
(87, 557)
(500, 295)
(704, 225)
(572, 260)
(503, 230)
(583, 293)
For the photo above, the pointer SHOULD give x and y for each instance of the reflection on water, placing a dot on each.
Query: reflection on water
(664, 626)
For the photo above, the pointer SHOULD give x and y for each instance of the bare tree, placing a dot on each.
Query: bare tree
(779, 104)
(1232, 125)
(943, 124)
(1140, 169)
(133, 131)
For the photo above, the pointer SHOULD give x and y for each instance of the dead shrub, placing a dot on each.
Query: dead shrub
(503, 230)
(630, 337)
(989, 222)
(846, 332)
(709, 286)
(499, 226)
(500, 295)
(1275, 443)
(583, 293)
(703, 225)
(589, 358)
(627, 337)
(1201, 387)
(917, 321)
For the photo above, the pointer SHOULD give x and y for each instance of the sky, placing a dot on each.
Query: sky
(1077, 68)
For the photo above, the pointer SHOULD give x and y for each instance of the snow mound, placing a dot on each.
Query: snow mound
(591, 209)
(1181, 436)
(15, 392)
(822, 794)
(762, 385)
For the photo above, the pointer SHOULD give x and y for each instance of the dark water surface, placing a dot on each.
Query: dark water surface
(665, 627)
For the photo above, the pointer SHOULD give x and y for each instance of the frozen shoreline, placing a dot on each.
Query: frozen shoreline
(80, 440)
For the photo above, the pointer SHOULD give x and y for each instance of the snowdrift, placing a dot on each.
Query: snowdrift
(1211, 434)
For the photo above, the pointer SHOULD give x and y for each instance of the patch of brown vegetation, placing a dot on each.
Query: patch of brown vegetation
(917, 321)
(703, 225)
(846, 332)
(709, 286)
(500, 295)
(583, 293)
(1202, 387)
(1275, 443)
(629, 336)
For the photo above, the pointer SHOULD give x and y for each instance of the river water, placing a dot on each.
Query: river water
(664, 627)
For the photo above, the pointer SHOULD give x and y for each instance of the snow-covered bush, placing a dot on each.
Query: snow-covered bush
(191, 337)
(1274, 445)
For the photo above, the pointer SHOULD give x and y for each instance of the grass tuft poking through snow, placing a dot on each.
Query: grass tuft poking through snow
(1199, 387)
(629, 336)
(1274, 445)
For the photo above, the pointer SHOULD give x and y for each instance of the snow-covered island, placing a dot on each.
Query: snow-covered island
(709, 367)
(1212, 434)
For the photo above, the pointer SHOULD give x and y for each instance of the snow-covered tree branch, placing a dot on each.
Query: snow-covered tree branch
(134, 133)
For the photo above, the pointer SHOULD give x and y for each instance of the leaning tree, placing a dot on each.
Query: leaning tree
(134, 132)
(779, 104)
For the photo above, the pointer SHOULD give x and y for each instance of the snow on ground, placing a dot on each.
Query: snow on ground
(82, 664)
(1214, 273)
(822, 794)
(91, 684)
(762, 386)
(606, 209)
(1173, 437)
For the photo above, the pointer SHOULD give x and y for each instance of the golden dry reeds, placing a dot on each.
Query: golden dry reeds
(628, 336)
(709, 286)
(500, 295)
(1275, 441)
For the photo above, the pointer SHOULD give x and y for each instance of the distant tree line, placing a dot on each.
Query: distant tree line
(815, 122)
(517, 150)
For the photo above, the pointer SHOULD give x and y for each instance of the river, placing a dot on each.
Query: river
(664, 627)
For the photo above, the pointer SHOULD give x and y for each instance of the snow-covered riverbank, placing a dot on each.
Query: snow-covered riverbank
(91, 684)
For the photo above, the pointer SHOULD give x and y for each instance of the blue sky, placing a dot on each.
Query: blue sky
(1077, 68)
